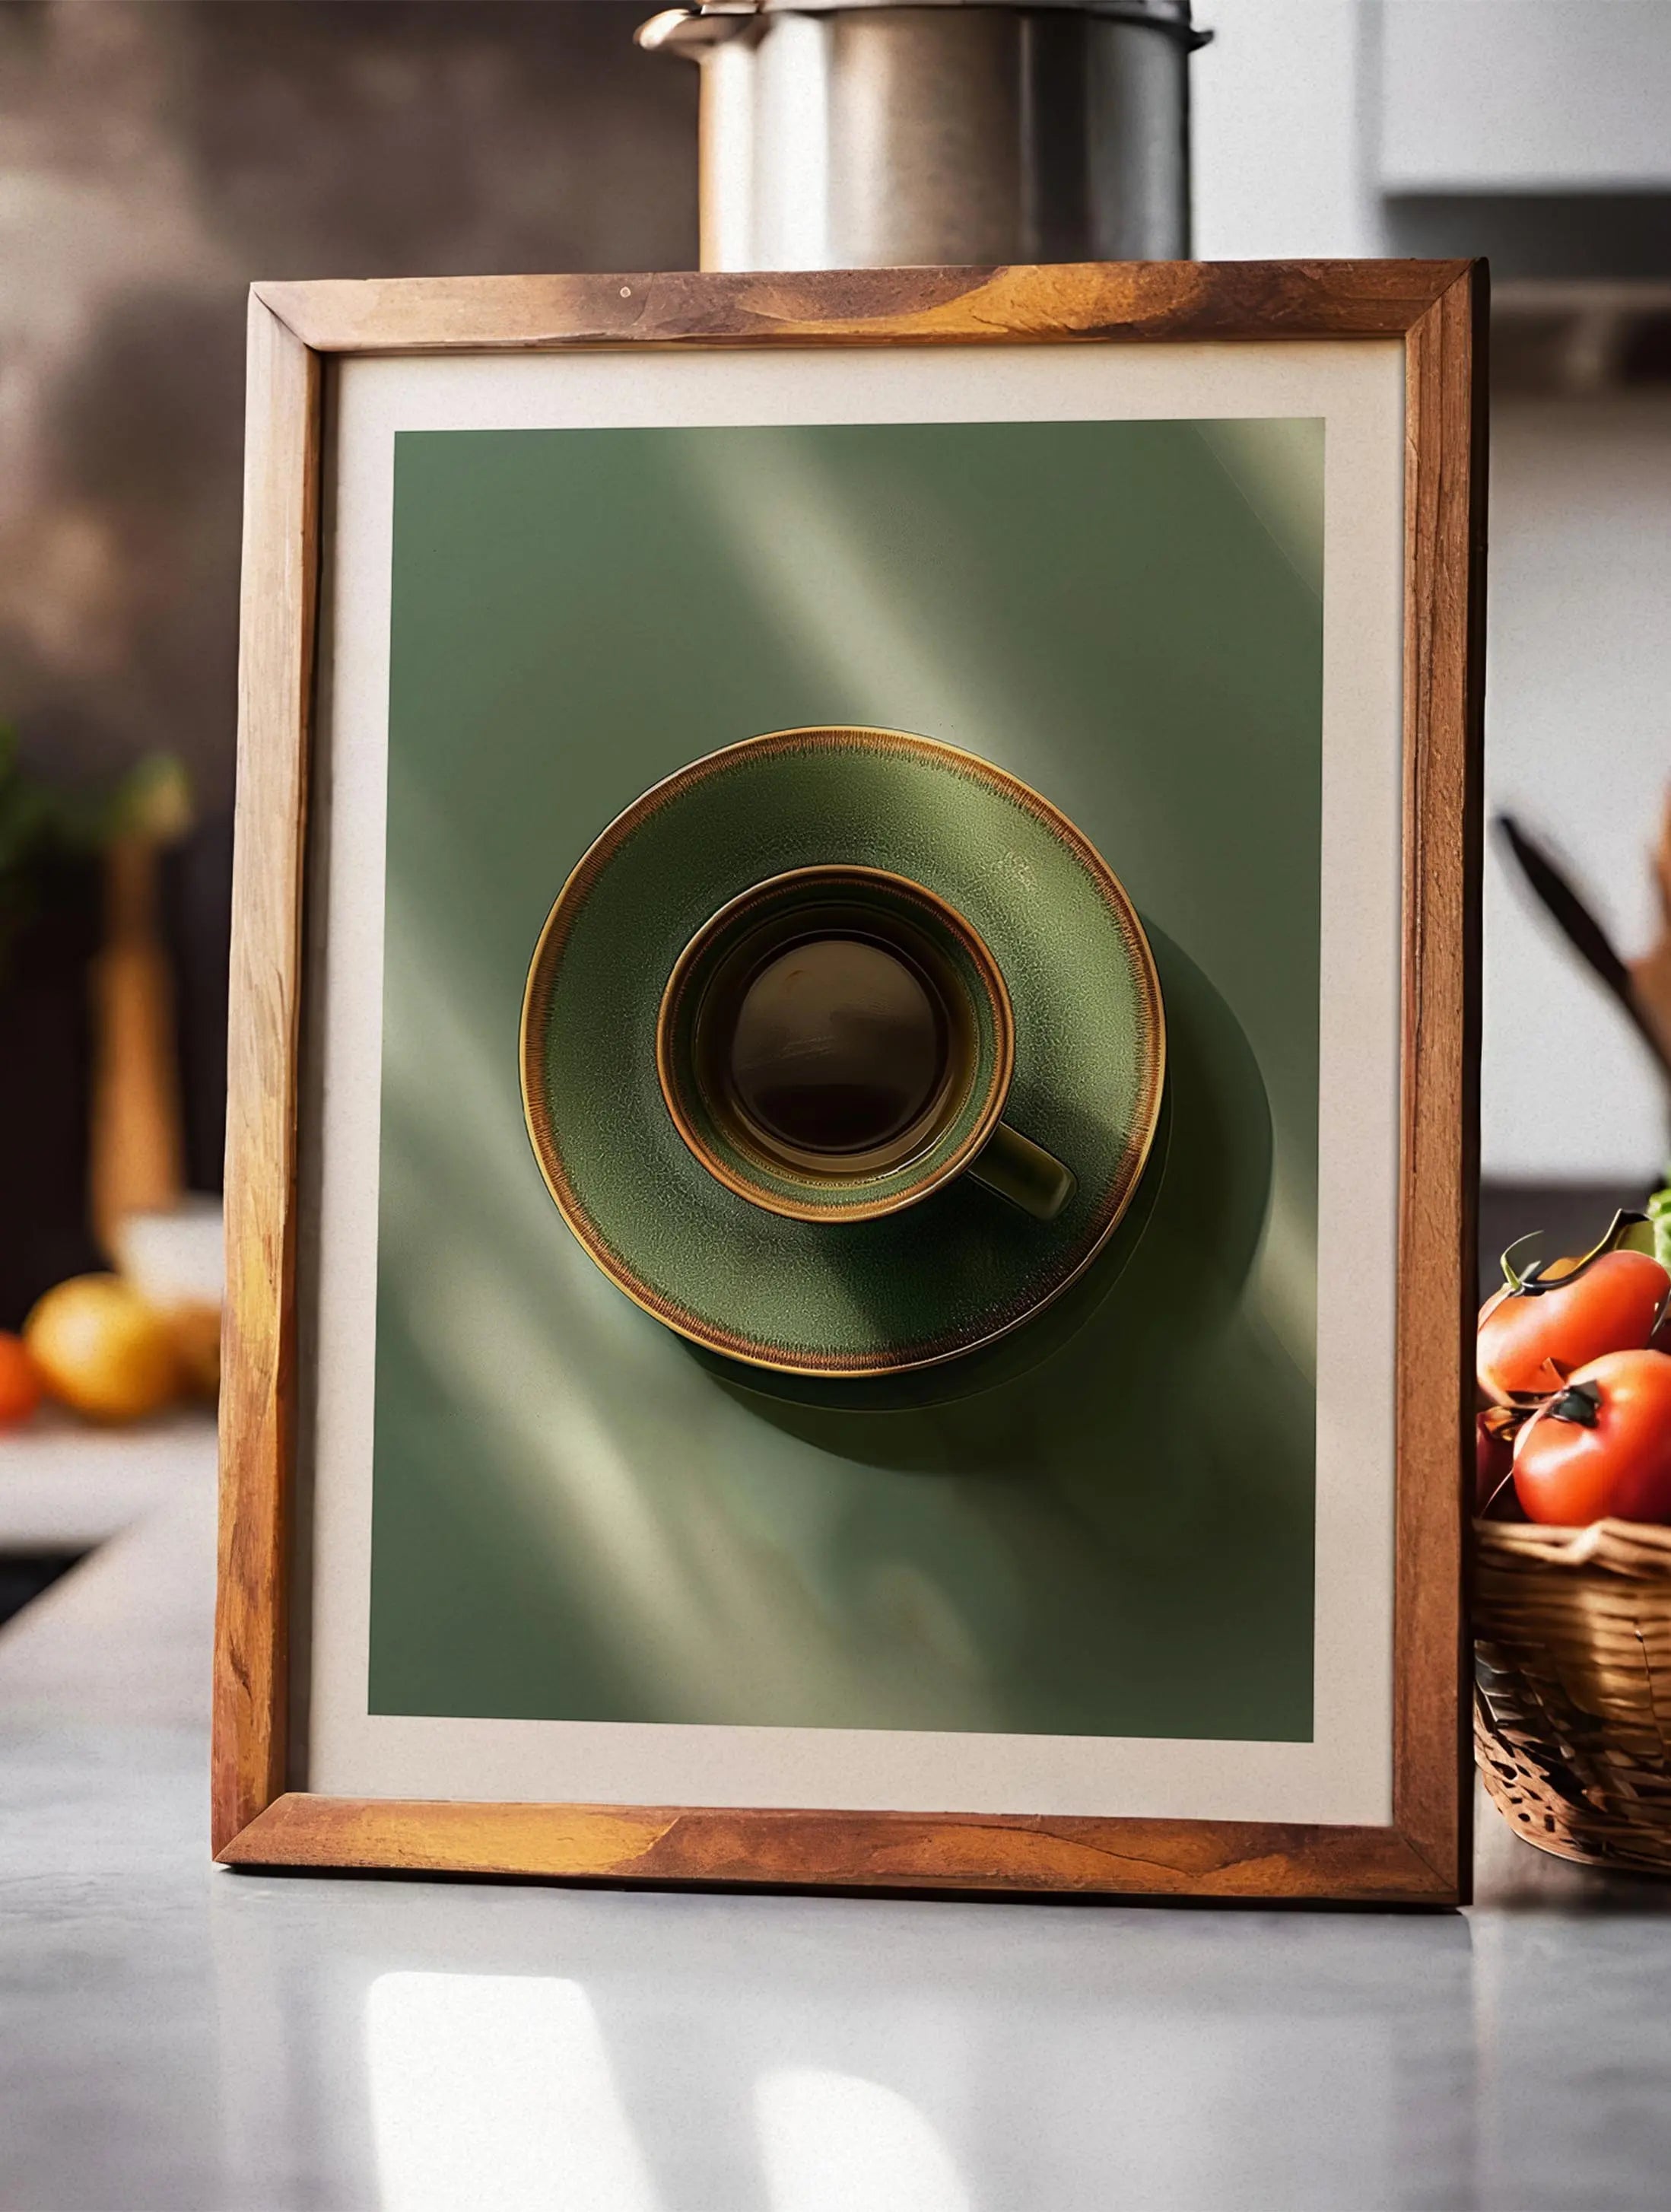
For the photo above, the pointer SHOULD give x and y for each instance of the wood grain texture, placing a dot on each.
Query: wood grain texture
(1437, 307)
(880, 1851)
(257, 1388)
(1443, 674)
(1090, 301)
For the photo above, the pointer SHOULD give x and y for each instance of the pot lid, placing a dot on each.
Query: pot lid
(704, 25)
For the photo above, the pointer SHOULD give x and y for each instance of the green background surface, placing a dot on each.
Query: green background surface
(1101, 1527)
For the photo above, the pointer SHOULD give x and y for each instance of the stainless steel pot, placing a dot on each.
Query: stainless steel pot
(846, 134)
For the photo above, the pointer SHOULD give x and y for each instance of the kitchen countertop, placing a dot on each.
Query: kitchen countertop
(175, 2035)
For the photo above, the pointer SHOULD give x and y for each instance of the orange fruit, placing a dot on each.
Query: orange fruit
(20, 1380)
(102, 1349)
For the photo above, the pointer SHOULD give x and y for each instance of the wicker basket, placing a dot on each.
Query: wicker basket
(1572, 1704)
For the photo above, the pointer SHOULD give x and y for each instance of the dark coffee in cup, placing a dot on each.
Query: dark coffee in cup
(840, 1044)
(837, 1042)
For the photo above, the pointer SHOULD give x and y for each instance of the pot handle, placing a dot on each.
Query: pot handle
(687, 31)
(1023, 1172)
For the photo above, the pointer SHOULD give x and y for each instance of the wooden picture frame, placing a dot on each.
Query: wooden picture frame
(296, 331)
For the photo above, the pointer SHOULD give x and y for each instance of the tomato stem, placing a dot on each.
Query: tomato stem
(1518, 1280)
(1532, 1280)
(1579, 1402)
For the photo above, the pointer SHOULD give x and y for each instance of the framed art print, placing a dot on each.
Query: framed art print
(852, 1124)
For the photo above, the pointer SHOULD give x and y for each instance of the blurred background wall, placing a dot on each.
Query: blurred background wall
(1539, 132)
(157, 155)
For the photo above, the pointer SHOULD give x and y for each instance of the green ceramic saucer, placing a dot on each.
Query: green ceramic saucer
(961, 1267)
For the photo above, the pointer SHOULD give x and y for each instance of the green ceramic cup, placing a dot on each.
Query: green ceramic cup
(837, 1041)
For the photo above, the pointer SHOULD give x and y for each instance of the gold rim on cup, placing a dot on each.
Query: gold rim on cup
(835, 875)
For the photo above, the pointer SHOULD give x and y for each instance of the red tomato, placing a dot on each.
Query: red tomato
(20, 1380)
(1602, 1447)
(1530, 1340)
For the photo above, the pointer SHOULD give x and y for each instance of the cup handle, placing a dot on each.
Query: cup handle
(1023, 1172)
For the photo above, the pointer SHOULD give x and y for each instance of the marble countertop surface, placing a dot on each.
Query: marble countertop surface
(176, 2036)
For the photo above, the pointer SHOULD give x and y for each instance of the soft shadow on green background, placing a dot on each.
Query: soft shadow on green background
(1103, 1526)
